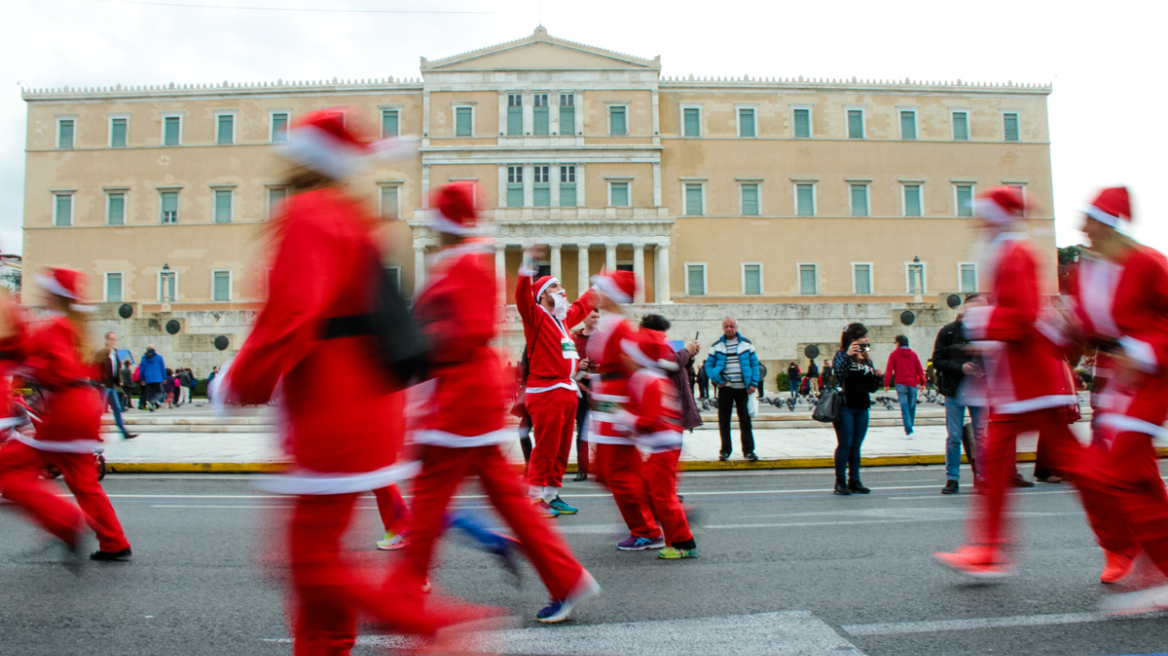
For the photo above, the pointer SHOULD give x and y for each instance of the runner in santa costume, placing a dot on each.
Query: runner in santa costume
(1120, 294)
(57, 357)
(463, 429)
(652, 417)
(311, 330)
(1025, 387)
(618, 463)
(552, 392)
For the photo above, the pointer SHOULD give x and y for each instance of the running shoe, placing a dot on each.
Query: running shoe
(545, 509)
(561, 507)
(673, 553)
(977, 562)
(393, 541)
(122, 556)
(1116, 567)
(558, 610)
(1132, 603)
(635, 543)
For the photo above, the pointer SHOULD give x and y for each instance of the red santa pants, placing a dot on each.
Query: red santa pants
(553, 417)
(395, 514)
(1124, 471)
(621, 467)
(20, 468)
(661, 474)
(988, 525)
(443, 470)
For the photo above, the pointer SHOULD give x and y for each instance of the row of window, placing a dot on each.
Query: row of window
(808, 277)
(911, 197)
(115, 290)
(801, 119)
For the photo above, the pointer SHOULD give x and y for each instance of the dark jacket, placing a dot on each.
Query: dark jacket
(105, 368)
(127, 377)
(690, 417)
(949, 357)
(858, 380)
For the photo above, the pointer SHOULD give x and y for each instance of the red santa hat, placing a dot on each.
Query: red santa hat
(1111, 206)
(618, 286)
(650, 350)
(1001, 205)
(454, 209)
(67, 283)
(324, 142)
(542, 284)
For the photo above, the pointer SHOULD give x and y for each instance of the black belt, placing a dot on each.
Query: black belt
(353, 325)
(612, 375)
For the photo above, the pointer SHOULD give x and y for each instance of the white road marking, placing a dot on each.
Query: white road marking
(899, 628)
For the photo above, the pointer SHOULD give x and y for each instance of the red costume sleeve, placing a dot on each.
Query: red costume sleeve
(525, 303)
(581, 308)
(456, 335)
(1147, 342)
(1014, 313)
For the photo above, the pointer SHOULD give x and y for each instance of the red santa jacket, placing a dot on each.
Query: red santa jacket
(652, 414)
(467, 397)
(552, 356)
(1127, 302)
(1025, 371)
(320, 236)
(606, 347)
(71, 417)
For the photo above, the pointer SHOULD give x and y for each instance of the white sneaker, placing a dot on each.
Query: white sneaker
(393, 541)
(1132, 603)
(558, 611)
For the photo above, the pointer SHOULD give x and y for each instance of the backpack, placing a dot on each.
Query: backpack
(137, 375)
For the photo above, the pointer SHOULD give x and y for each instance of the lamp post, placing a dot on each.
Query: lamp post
(165, 288)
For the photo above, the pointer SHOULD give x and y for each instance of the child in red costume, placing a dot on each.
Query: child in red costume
(618, 462)
(552, 392)
(463, 426)
(52, 355)
(652, 416)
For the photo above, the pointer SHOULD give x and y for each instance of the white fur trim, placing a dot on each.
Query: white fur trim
(311, 483)
(1128, 424)
(547, 284)
(396, 149)
(1053, 332)
(454, 441)
(1101, 216)
(660, 441)
(991, 211)
(606, 286)
(441, 223)
(595, 438)
(63, 446)
(633, 350)
(1141, 352)
(316, 149)
(50, 284)
(570, 385)
(1037, 403)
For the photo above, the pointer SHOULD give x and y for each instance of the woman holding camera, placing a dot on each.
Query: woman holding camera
(858, 378)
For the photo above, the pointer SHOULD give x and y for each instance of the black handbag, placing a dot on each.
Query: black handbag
(829, 407)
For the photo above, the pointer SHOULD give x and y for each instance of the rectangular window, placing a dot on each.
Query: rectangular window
(463, 121)
(859, 199)
(222, 286)
(394, 274)
(916, 277)
(115, 213)
(65, 134)
(805, 199)
(855, 124)
(276, 196)
(750, 199)
(514, 115)
(808, 279)
(802, 123)
(118, 132)
(389, 201)
(113, 288)
(540, 123)
(568, 186)
(693, 200)
(222, 206)
(279, 127)
(390, 126)
(912, 200)
(169, 200)
(908, 125)
(960, 126)
(541, 191)
(862, 278)
(746, 122)
(63, 209)
(514, 186)
(964, 200)
(617, 126)
(1010, 126)
(693, 122)
(619, 193)
(968, 278)
(695, 279)
(167, 285)
(752, 279)
(225, 132)
(567, 113)
(171, 130)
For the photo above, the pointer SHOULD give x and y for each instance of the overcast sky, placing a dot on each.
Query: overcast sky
(1105, 60)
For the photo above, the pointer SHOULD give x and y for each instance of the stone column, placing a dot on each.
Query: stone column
(419, 268)
(661, 273)
(639, 272)
(554, 259)
(610, 257)
(582, 283)
(501, 272)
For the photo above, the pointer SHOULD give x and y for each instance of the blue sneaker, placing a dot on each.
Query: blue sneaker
(545, 509)
(559, 610)
(634, 543)
(561, 507)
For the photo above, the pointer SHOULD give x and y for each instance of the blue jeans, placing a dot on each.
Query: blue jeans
(849, 434)
(112, 400)
(954, 423)
(907, 395)
(794, 386)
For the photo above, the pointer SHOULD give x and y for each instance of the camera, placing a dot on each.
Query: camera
(864, 348)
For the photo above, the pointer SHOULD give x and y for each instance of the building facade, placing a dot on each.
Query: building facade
(714, 191)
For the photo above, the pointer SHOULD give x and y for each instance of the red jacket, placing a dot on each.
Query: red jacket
(610, 383)
(467, 401)
(71, 418)
(552, 357)
(320, 236)
(905, 366)
(653, 412)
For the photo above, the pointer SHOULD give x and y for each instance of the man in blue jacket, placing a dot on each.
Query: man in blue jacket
(732, 366)
(153, 371)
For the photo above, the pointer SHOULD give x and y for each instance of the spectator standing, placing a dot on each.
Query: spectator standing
(828, 375)
(958, 379)
(813, 374)
(793, 377)
(904, 367)
(186, 382)
(105, 372)
(214, 372)
(703, 383)
(858, 378)
(762, 374)
(580, 338)
(732, 365)
(153, 373)
(126, 379)
(168, 389)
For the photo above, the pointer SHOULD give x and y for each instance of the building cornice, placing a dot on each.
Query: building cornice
(207, 91)
(798, 84)
(540, 35)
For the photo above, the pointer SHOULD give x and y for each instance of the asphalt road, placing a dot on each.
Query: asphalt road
(785, 568)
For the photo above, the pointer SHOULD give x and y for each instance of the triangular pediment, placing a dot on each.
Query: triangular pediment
(540, 51)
